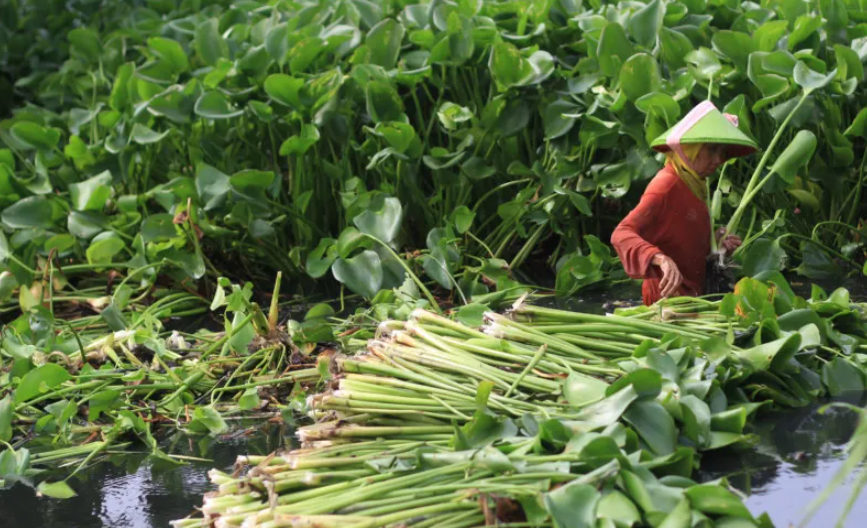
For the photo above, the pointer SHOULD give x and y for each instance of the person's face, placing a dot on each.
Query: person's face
(709, 158)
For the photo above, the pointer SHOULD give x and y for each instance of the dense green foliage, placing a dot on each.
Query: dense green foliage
(469, 137)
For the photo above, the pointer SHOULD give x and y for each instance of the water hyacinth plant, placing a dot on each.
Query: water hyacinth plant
(297, 136)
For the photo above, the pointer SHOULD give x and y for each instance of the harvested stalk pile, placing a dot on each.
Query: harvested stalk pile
(548, 418)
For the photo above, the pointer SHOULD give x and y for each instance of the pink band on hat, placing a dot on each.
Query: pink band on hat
(733, 119)
(694, 116)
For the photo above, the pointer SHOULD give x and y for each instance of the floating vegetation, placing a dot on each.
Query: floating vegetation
(542, 417)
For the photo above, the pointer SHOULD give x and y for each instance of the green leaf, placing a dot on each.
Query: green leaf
(508, 67)
(559, 117)
(285, 90)
(277, 42)
(383, 102)
(451, 115)
(362, 274)
(773, 355)
(810, 80)
(763, 255)
(581, 390)
(55, 490)
(8, 283)
(145, 136)
(439, 267)
(34, 211)
(249, 400)
(39, 381)
(158, 228)
(462, 217)
(640, 76)
(815, 262)
(36, 136)
(251, 184)
(320, 259)
(206, 418)
(170, 53)
(849, 64)
(617, 507)
(613, 50)
(696, 419)
(212, 186)
(647, 382)
(6, 411)
(460, 38)
(383, 40)
(472, 314)
(103, 251)
(835, 13)
(209, 43)
(102, 401)
(573, 505)
(796, 155)
(654, 425)
(92, 194)
(805, 25)
(114, 318)
(841, 376)
(399, 136)
(215, 105)
(300, 143)
(703, 64)
(766, 37)
(382, 223)
(644, 24)
(735, 45)
(475, 168)
(120, 90)
(350, 239)
(85, 43)
(675, 46)
(303, 53)
(608, 410)
(716, 500)
(680, 516)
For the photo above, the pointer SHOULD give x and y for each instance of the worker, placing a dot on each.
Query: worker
(666, 240)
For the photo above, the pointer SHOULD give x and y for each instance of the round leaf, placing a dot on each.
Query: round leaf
(639, 76)
(215, 105)
(362, 274)
(284, 89)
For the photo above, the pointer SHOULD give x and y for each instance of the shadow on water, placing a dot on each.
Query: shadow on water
(132, 491)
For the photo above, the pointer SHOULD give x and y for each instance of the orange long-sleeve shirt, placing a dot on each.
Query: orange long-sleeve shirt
(670, 220)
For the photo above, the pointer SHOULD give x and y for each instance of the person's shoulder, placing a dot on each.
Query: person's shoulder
(664, 181)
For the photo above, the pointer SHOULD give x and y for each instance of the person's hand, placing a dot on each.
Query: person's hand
(671, 276)
(728, 243)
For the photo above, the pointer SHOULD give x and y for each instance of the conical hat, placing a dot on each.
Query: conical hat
(706, 124)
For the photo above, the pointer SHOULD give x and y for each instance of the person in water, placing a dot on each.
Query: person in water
(665, 240)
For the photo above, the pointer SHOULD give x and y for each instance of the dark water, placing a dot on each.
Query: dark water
(131, 491)
(796, 456)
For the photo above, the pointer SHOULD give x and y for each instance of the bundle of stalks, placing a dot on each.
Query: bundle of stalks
(540, 417)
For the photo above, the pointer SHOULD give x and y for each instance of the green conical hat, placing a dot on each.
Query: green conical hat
(706, 124)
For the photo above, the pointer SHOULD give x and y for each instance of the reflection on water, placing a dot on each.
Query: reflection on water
(134, 492)
(797, 455)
